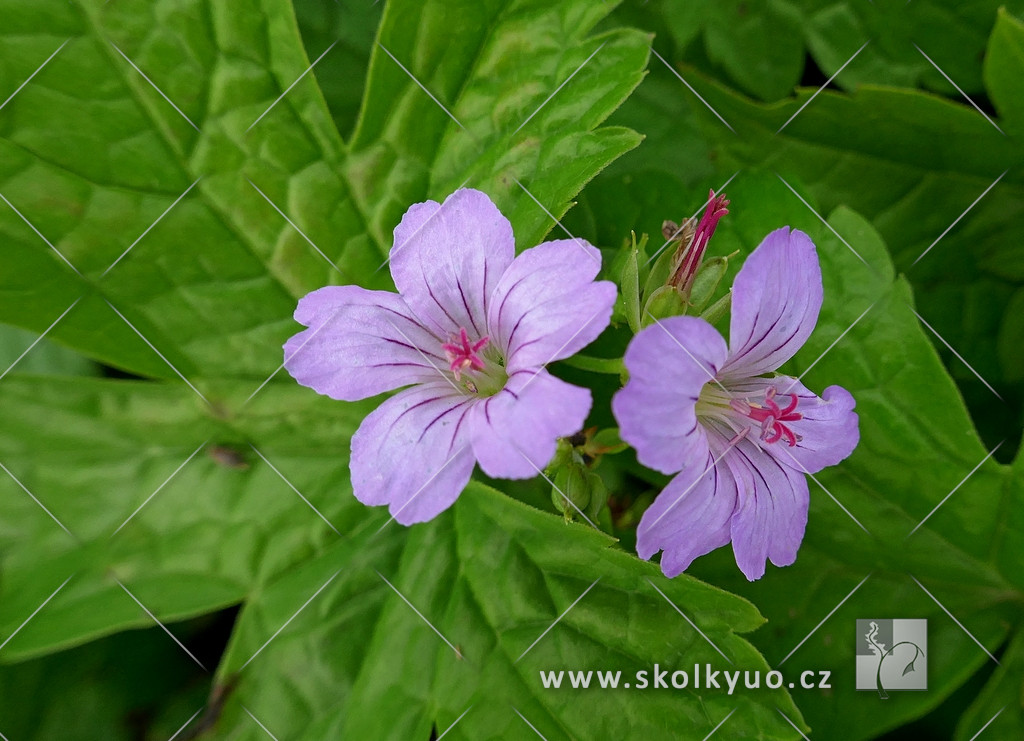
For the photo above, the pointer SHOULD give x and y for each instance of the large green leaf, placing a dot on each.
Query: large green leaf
(93, 452)
(92, 155)
(490, 576)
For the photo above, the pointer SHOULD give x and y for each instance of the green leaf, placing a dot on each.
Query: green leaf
(406, 679)
(25, 352)
(760, 45)
(93, 452)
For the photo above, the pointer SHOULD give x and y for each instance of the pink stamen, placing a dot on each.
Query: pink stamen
(716, 209)
(462, 355)
(772, 417)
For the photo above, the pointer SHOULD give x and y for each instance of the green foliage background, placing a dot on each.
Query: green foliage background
(174, 179)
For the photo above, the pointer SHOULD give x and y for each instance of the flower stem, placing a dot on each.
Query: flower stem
(611, 366)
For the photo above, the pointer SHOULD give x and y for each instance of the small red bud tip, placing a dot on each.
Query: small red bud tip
(716, 209)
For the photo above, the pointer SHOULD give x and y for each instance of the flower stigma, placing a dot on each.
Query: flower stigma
(478, 366)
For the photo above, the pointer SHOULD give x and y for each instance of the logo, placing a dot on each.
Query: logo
(892, 655)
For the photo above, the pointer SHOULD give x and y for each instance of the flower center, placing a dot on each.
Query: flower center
(771, 416)
(479, 368)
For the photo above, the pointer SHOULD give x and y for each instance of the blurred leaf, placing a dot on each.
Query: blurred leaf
(22, 351)
(316, 680)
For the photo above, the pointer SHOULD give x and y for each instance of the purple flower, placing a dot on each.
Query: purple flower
(740, 439)
(469, 333)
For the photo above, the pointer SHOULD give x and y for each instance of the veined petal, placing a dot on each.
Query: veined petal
(690, 517)
(669, 363)
(515, 432)
(413, 452)
(771, 514)
(359, 343)
(776, 298)
(827, 431)
(547, 306)
(447, 258)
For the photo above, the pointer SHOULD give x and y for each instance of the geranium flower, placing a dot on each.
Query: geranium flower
(469, 333)
(741, 440)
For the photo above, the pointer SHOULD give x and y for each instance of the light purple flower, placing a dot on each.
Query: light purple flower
(469, 332)
(742, 441)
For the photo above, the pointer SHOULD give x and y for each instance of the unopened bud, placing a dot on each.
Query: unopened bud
(705, 283)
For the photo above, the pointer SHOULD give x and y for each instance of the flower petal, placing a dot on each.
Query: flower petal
(360, 343)
(447, 259)
(771, 514)
(515, 432)
(690, 517)
(413, 453)
(827, 432)
(669, 363)
(775, 303)
(547, 306)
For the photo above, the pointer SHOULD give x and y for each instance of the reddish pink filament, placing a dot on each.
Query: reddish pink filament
(462, 355)
(772, 417)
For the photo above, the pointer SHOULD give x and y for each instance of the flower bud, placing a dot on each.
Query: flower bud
(665, 302)
(705, 283)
